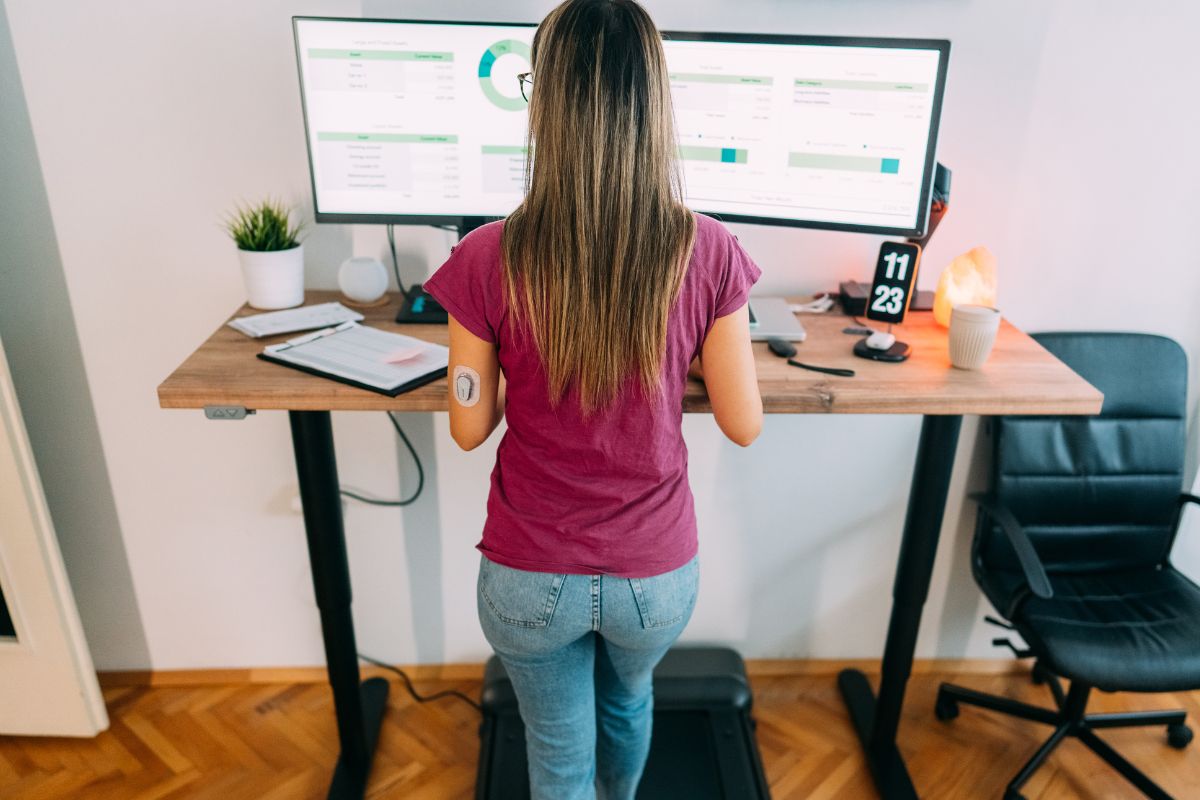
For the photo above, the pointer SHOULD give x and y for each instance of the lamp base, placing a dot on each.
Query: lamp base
(382, 301)
(894, 354)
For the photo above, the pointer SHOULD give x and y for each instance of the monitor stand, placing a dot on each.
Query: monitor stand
(417, 305)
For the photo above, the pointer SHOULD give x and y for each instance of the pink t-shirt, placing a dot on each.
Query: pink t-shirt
(609, 493)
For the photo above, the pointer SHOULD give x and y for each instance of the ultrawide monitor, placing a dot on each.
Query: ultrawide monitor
(423, 122)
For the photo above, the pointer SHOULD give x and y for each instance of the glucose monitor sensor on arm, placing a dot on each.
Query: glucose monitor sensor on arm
(465, 386)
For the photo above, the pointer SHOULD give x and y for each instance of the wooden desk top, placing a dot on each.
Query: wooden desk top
(1020, 377)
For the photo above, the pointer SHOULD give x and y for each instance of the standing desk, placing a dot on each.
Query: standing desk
(1019, 378)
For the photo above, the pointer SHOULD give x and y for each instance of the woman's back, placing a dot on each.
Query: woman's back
(599, 491)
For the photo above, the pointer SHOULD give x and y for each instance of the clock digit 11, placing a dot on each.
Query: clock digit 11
(895, 274)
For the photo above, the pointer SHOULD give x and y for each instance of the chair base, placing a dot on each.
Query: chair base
(1069, 719)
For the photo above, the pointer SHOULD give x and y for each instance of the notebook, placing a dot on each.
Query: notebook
(384, 362)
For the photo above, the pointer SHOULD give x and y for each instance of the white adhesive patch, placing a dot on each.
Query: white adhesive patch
(466, 386)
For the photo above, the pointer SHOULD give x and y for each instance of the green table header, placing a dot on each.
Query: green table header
(380, 55)
(419, 138)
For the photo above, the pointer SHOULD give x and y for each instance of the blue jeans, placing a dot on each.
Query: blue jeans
(580, 650)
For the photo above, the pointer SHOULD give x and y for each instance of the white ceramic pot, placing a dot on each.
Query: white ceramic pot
(274, 278)
(363, 279)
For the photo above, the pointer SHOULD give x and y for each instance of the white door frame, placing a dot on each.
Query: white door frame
(47, 683)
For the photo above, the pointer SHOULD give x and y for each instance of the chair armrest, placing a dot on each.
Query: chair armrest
(1188, 498)
(1031, 565)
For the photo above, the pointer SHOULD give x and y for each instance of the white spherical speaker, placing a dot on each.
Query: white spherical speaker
(363, 279)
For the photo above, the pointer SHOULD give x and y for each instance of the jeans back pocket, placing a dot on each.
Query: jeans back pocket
(519, 597)
(668, 598)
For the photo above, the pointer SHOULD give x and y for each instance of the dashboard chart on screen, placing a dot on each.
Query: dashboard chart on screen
(830, 134)
(414, 121)
(422, 119)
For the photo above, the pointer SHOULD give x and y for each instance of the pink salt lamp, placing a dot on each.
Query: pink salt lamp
(970, 278)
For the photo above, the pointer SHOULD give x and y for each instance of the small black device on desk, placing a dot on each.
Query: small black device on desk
(785, 349)
(419, 306)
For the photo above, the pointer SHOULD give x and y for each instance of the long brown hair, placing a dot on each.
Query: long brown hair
(595, 255)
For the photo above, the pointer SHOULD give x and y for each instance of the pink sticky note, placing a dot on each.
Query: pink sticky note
(403, 354)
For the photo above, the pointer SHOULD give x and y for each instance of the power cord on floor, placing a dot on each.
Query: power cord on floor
(408, 685)
(420, 475)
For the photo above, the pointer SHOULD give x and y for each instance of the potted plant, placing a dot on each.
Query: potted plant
(271, 256)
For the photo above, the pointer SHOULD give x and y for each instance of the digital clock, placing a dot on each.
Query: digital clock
(895, 275)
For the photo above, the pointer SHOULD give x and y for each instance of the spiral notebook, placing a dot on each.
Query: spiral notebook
(384, 362)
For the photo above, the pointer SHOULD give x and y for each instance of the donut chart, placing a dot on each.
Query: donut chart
(508, 102)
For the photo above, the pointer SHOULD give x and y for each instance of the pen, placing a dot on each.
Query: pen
(299, 340)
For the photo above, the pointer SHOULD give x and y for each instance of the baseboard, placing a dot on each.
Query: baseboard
(758, 667)
(799, 667)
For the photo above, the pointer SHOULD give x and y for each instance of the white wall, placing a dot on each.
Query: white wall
(1070, 128)
(44, 355)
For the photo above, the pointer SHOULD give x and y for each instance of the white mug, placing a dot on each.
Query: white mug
(972, 334)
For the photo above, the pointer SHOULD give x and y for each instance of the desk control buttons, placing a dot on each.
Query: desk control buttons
(227, 412)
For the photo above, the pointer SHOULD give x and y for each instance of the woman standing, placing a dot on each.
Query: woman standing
(576, 319)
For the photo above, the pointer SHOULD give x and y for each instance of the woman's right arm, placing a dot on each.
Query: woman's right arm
(727, 367)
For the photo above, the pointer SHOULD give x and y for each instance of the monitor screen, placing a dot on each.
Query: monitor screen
(424, 122)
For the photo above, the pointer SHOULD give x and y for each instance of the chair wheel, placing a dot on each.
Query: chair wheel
(945, 708)
(1179, 736)
(1009, 794)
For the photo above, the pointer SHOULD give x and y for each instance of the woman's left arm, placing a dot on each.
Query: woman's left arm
(476, 387)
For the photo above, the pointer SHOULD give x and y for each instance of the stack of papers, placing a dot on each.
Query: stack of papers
(304, 318)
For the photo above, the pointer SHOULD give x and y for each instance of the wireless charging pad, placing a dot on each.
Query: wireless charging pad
(897, 352)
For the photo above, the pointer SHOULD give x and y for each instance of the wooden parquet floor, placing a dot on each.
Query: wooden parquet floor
(278, 742)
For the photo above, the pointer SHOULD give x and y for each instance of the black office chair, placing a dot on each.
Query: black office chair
(1072, 547)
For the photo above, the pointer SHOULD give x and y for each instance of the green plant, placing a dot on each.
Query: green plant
(263, 227)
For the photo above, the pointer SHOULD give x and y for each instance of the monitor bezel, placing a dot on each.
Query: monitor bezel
(942, 46)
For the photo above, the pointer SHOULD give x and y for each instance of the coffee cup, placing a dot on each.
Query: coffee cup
(972, 334)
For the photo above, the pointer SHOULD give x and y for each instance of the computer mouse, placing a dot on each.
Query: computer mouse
(880, 340)
(781, 347)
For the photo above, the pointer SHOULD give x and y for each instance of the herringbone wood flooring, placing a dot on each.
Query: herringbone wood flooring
(278, 742)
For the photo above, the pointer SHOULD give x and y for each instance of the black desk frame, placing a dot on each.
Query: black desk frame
(877, 719)
(360, 705)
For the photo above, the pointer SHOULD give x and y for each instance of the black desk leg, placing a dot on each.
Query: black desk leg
(359, 707)
(876, 720)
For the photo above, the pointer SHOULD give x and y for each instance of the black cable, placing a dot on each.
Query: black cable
(408, 685)
(391, 237)
(420, 475)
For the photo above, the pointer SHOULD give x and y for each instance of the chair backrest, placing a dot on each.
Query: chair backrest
(1096, 493)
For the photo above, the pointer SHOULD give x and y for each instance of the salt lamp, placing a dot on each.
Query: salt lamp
(970, 278)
